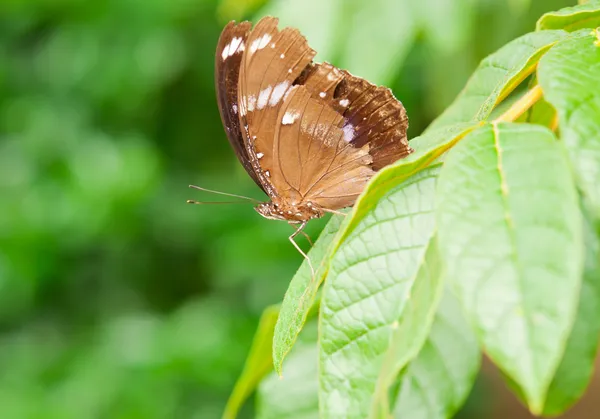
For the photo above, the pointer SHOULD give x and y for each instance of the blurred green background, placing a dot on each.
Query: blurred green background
(117, 300)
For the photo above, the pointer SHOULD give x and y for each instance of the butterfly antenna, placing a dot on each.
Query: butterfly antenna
(256, 201)
(192, 201)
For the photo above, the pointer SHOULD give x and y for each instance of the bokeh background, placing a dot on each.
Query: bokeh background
(117, 300)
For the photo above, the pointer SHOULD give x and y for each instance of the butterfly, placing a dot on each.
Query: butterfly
(309, 134)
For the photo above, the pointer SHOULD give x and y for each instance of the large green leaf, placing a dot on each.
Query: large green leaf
(296, 395)
(366, 293)
(409, 333)
(570, 77)
(437, 382)
(510, 234)
(575, 371)
(497, 76)
(258, 363)
(571, 18)
(301, 294)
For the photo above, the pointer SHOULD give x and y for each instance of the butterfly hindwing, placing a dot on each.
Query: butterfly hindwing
(376, 117)
(371, 113)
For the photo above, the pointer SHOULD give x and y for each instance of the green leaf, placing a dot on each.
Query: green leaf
(497, 76)
(409, 334)
(428, 148)
(510, 234)
(258, 363)
(570, 78)
(296, 395)
(437, 382)
(366, 293)
(571, 18)
(301, 294)
(575, 371)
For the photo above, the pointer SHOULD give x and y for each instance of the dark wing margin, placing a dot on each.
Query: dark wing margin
(228, 57)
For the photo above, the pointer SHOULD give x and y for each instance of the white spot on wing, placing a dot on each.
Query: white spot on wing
(251, 103)
(278, 92)
(259, 155)
(344, 102)
(260, 43)
(263, 97)
(235, 109)
(348, 133)
(282, 56)
(232, 47)
(322, 94)
(267, 173)
(289, 118)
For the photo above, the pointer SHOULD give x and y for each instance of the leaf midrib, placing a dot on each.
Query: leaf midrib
(504, 189)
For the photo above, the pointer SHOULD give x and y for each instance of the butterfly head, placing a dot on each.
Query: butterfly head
(303, 211)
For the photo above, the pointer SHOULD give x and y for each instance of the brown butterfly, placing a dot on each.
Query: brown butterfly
(310, 135)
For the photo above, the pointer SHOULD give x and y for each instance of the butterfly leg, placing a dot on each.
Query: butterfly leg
(303, 233)
(291, 238)
(334, 211)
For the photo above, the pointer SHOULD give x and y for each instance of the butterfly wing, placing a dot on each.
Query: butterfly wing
(312, 132)
(228, 58)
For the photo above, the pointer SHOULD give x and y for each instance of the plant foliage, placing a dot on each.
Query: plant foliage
(485, 239)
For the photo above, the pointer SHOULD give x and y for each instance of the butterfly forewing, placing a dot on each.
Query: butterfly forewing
(230, 49)
(273, 60)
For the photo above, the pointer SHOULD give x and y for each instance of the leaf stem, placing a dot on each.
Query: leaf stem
(521, 105)
(554, 124)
